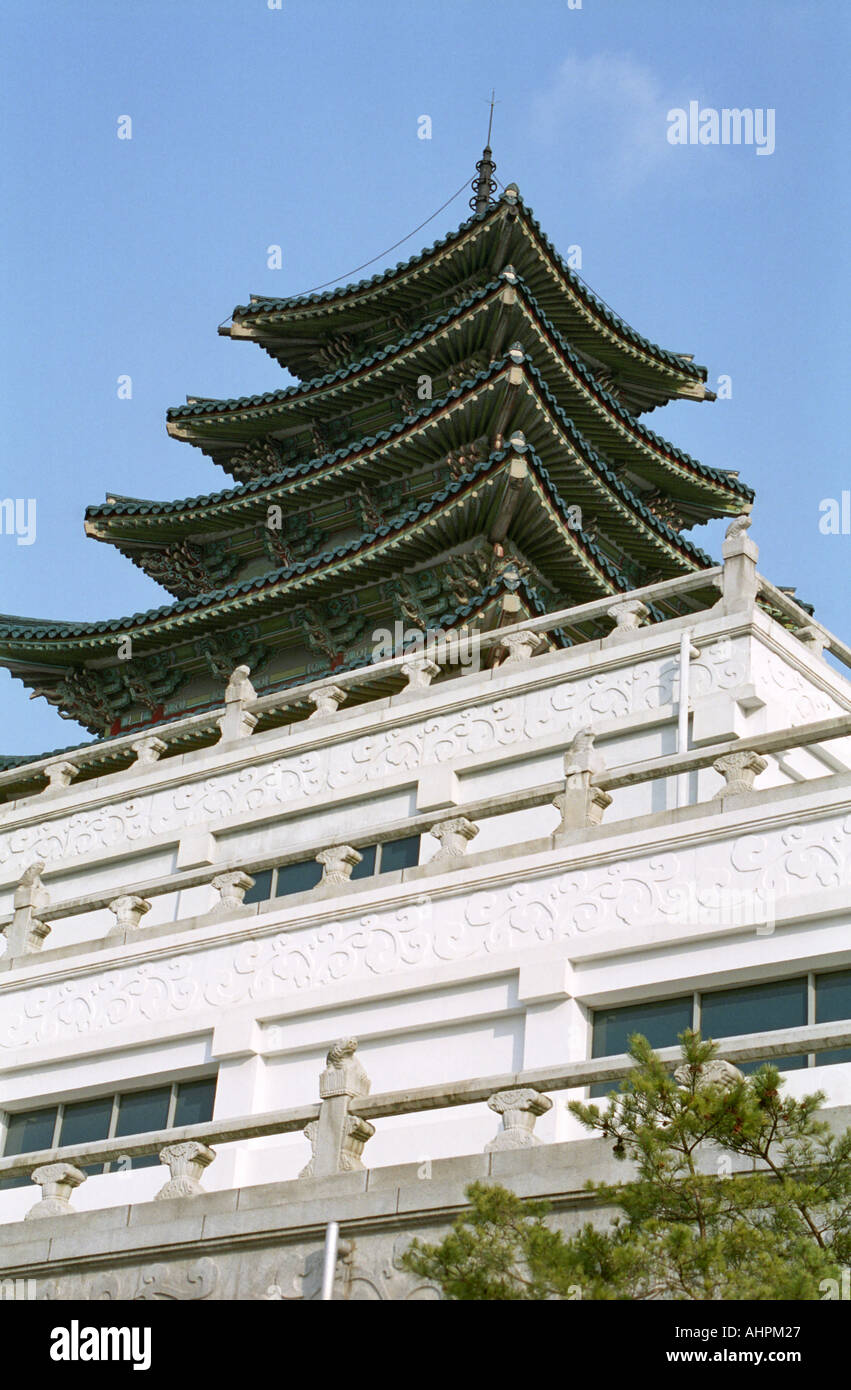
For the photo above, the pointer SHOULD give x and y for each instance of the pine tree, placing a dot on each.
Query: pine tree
(735, 1192)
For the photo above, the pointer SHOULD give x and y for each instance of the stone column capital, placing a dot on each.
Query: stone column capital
(57, 1181)
(186, 1162)
(337, 862)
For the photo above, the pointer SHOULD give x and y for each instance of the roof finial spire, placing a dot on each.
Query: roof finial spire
(484, 184)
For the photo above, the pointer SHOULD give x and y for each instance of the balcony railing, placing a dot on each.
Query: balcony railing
(340, 1124)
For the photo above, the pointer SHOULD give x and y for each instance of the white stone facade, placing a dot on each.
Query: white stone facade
(491, 960)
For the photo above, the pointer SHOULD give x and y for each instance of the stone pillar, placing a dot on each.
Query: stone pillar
(59, 775)
(519, 1110)
(326, 699)
(582, 803)
(454, 835)
(628, 615)
(128, 911)
(521, 647)
(231, 888)
(420, 673)
(337, 1138)
(739, 582)
(57, 1181)
(27, 932)
(237, 720)
(148, 751)
(739, 771)
(186, 1162)
(337, 863)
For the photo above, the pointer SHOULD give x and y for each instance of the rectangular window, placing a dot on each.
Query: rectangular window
(366, 867)
(726, 1013)
(85, 1121)
(298, 878)
(261, 889)
(304, 875)
(28, 1132)
(400, 854)
(660, 1021)
(109, 1117)
(833, 1004)
(139, 1111)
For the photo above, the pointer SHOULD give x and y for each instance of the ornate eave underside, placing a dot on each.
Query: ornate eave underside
(372, 394)
(506, 507)
(310, 334)
(378, 479)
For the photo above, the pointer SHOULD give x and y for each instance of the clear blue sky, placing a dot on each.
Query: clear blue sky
(298, 126)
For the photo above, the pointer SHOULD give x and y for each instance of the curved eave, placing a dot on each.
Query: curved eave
(616, 338)
(464, 508)
(215, 432)
(572, 458)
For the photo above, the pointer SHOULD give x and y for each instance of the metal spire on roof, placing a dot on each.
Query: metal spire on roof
(484, 184)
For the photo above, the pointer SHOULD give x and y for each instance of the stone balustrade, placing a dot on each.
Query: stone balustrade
(242, 707)
(582, 798)
(339, 1127)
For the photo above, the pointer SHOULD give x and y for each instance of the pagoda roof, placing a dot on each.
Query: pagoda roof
(506, 486)
(248, 592)
(222, 428)
(298, 330)
(577, 470)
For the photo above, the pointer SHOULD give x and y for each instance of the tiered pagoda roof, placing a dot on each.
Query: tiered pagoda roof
(465, 428)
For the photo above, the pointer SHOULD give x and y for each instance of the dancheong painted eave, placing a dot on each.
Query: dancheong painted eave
(491, 317)
(303, 332)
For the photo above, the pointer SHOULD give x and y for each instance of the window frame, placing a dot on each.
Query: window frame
(812, 978)
(60, 1107)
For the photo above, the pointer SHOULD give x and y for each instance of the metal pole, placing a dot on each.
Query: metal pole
(329, 1266)
(682, 714)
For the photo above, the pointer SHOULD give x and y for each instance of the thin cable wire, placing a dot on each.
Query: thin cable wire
(380, 257)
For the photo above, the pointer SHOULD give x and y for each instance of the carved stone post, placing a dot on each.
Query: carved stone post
(454, 835)
(148, 751)
(628, 615)
(337, 863)
(739, 582)
(326, 699)
(59, 775)
(27, 932)
(519, 1110)
(128, 911)
(521, 647)
(715, 1072)
(739, 771)
(186, 1162)
(582, 803)
(231, 888)
(337, 1138)
(814, 638)
(57, 1181)
(420, 673)
(237, 721)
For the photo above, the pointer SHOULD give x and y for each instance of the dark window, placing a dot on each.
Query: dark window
(833, 1004)
(261, 888)
(400, 854)
(301, 877)
(194, 1102)
(27, 1132)
(83, 1122)
(660, 1021)
(298, 878)
(726, 1013)
(139, 1111)
(366, 867)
